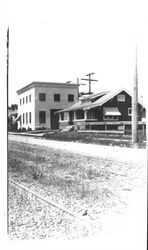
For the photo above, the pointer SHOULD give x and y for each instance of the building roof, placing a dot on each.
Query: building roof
(47, 84)
(105, 98)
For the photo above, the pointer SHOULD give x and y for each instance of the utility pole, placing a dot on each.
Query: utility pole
(89, 80)
(135, 105)
(78, 82)
(7, 112)
(7, 57)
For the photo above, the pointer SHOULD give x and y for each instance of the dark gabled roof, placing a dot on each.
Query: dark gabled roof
(81, 105)
(105, 98)
(93, 96)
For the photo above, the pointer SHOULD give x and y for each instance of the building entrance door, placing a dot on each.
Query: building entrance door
(71, 117)
(54, 119)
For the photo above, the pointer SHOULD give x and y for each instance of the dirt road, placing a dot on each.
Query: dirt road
(128, 226)
(108, 152)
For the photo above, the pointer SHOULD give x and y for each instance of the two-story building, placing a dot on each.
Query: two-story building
(38, 102)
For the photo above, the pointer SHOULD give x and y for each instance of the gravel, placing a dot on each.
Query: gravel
(31, 218)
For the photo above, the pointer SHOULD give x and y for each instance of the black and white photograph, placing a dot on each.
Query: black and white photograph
(74, 129)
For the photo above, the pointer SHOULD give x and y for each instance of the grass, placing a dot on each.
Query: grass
(96, 138)
(71, 176)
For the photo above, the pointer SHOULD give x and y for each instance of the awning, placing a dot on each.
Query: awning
(111, 111)
(18, 118)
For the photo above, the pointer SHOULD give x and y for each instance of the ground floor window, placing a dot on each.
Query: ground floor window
(91, 114)
(79, 114)
(42, 116)
(26, 118)
(110, 117)
(29, 117)
(62, 116)
(23, 118)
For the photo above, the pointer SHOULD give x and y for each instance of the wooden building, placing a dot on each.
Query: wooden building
(106, 111)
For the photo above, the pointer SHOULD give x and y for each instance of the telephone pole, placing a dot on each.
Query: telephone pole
(7, 57)
(78, 82)
(89, 80)
(135, 105)
(7, 45)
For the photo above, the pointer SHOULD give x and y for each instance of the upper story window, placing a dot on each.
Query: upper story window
(42, 97)
(20, 101)
(129, 111)
(57, 97)
(29, 98)
(121, 98)
(23, 100)
(26, 99)
(70, 98)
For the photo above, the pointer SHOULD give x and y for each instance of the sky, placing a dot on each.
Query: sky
(60, 40)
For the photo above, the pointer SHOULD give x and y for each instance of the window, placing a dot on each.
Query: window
(121, 98)
(91, 114)
(26, 99)
(23, 118)
(23, 100)
(42, 97)
(57, 97)
(20, 101)
(110, 117)
(26, 118)
(20, 120)
(29, 117)
(70, 98)
(29, 98)
(62, 116)
(129, 111)
(42, 117)
(79, 114)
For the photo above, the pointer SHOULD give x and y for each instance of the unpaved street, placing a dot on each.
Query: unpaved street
(109, 152)
(119, 224)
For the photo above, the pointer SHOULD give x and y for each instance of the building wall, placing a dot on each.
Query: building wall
(122, 107)
(50, 104)
(26, 108)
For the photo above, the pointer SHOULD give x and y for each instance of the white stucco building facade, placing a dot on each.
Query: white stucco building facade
(38, 102)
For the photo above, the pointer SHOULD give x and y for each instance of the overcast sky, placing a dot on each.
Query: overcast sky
(60, 40)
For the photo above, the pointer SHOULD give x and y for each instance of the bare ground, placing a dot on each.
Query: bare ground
(96, 186)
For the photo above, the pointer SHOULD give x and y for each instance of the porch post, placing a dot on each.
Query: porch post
(105, 126)
(74, 114)
(68, 116)
(143, 128)
(85, 114)
(124, 129)
(60, 117)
